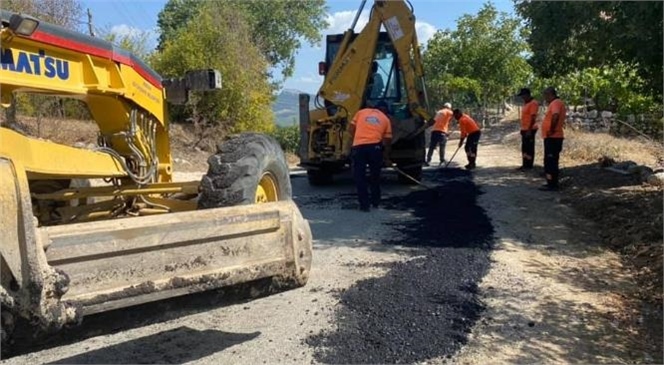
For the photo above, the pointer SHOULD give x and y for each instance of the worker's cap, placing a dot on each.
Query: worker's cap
(524, 92)
(447, 105)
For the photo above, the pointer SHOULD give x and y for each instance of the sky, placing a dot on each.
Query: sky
(127, 16)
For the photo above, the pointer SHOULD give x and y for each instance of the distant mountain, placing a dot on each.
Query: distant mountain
(286, 107)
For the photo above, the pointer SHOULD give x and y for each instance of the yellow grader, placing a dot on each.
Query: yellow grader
(70, 249)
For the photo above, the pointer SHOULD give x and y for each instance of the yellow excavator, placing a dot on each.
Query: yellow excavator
(362, 70)
(70, 248)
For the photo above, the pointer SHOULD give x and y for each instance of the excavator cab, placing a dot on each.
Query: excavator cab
(379, 64)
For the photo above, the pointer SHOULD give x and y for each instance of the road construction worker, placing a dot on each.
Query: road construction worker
(372, 138)
(552, 133)
(528, 129)
(439, 133)
(470, 132)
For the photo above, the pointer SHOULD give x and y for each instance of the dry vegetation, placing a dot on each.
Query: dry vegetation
(627, 211)
(186, 156)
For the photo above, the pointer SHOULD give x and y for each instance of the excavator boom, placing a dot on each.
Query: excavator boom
(362, 69)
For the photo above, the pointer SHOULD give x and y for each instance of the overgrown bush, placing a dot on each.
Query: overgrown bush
(288, 138)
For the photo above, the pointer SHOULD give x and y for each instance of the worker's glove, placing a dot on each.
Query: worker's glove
(387, 163)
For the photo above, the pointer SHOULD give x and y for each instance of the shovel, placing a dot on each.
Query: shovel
(450, 161)
(418, 182)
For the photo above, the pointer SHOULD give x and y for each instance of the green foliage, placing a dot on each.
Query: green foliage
(480, 62)
(288, 138)
(137, 43)
(567, 36)
(221, 39)
(65, 13)
(175, 15)
(276, 27)
(280, 26)
(613, 88)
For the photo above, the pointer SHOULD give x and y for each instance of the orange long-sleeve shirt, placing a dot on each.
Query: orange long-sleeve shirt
(467, 125)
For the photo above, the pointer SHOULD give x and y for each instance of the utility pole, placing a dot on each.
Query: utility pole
(90, 28)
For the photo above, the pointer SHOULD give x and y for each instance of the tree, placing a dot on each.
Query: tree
(65, 13)
(480, 62)
(277, 27)
(138, 43)
(175, 15)
(221, 40)
(567, 36)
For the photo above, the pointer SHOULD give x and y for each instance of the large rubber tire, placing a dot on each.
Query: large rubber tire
(320, 177)
(236, 169)
(415, 172)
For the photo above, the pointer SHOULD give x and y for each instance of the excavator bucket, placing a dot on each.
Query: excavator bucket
(56, 274)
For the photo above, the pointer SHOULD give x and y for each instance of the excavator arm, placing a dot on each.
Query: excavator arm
(349, 85)
(349, 73)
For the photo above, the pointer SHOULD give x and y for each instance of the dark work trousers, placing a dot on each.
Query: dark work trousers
(438, 139)
(552, 149)
(528, 148)
(472, 141)
(371, 155)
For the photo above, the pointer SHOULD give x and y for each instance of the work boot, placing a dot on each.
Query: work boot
(549, 186)
(365, 209)
(426, 163)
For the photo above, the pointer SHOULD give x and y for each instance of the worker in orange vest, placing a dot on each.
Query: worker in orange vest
(372, 138)
(553, 135)
(439, 133)
(470, 132)
(528, 129)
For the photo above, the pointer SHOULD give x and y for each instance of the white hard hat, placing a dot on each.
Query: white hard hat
(447, 105)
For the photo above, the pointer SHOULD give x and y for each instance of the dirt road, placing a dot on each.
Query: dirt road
(486, 269)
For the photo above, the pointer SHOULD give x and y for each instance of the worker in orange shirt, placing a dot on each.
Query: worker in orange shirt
(470, 132)
(439, 133)
(552, 132)
(528, 129)
(372, 139)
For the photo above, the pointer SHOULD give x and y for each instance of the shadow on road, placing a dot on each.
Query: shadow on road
(125, 319)
(175, 346)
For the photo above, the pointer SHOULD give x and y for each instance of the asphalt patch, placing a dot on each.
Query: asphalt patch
(423, 307)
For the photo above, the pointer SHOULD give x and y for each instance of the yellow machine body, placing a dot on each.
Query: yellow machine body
(69, 250)
(348, 71)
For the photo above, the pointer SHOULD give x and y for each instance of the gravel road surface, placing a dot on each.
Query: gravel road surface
(482, 269)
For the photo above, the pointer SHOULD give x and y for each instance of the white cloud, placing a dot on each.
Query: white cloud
(124, 30)
(311, 79)
(340, 21)
(425, 31)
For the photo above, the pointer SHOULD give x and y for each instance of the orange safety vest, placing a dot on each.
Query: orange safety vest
(371, 127)
(555, 107)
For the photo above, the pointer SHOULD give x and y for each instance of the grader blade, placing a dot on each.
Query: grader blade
(118, 263)
(55, 274)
